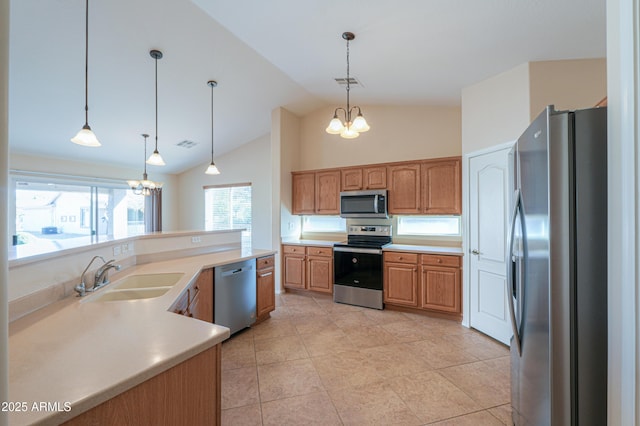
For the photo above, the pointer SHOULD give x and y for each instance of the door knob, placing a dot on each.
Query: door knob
(474, 251)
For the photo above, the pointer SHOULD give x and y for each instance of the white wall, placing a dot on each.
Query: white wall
(4, 234)
(397, 133)
(289, 130)
(249, 163)
(623, 50)
(67, 167)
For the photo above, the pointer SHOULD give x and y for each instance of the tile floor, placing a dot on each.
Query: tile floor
(318, 362)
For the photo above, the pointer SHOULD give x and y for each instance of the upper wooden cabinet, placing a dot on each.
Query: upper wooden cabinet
(328, 192)
(304, 193)
(441, 187)
(419, 187)
(404, 188)
(362, 178)
(316, 192)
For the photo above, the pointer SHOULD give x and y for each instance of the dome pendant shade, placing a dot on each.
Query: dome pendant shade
(155, 159)
(86, 137)
(212, 169)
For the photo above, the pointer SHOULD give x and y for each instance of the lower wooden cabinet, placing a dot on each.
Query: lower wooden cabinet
(308, 268)
(401, 279)
(197, 299)
(187, 394)
(437, 287)
(265, 287)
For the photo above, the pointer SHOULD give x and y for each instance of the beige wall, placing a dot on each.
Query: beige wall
(75, 168)
(249, 163)
(495, 110)
(499, 109)
(569, 84)
(288, 126)
(397, 133)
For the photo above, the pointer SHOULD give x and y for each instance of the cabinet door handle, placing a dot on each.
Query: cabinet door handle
(265, 275)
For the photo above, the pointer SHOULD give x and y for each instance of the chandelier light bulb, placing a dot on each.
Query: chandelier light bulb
(360, 124)
(335, 126)
(349, 133)
(212, 169)
(155, 159)
(86, 137)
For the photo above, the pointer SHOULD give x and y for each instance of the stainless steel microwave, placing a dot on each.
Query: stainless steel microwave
(364, 203)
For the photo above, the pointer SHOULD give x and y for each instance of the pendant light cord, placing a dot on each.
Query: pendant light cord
(86, 65)
(144, 176)
(212, 123)
(348, 88)
(156, 58)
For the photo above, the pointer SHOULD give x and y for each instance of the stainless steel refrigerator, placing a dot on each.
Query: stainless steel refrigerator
(557, 270)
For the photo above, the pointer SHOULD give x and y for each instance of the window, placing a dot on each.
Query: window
(228, 207)
(429, 225)
(54, 212)
(324, 224)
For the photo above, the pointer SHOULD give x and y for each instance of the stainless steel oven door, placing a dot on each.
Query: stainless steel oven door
(358, 267)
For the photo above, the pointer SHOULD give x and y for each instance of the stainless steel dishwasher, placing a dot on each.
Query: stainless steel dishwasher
(235, 295)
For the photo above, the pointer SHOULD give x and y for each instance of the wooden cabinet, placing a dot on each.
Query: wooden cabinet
(440, 283)
(293, 266)
(328, 192)
(186, 394)
(197, 299)
(437, 288)
(308, 268)
(320, 269)
(316, 193)
(304, 193)
(374, 177)
(404, 189)
(362, 178)
(265, 287)
(401, 278)
(441, 187)
(351, 179)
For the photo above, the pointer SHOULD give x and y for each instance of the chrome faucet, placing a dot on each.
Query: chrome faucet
(102, 274)
(101, 277)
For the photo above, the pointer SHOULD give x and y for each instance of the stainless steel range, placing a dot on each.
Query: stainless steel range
(358, 266)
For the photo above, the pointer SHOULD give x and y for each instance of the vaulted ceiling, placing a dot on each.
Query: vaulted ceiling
(264, 54)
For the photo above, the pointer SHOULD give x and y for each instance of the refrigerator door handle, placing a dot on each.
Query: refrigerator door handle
(511, 284)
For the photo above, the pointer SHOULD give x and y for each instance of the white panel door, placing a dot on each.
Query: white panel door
(488, 217)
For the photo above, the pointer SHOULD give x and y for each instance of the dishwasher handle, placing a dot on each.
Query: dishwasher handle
(236, 271)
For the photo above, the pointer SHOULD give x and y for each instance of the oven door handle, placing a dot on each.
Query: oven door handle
(357, 250)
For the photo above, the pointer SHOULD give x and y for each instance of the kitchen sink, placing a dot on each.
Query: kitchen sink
(148, 280)
(130, 294)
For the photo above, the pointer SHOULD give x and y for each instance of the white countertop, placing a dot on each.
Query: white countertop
(320, 243)
(84, 353)
(454, 251)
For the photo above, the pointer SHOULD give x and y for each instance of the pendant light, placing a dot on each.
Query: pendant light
(348, 129)
(212, 169)
(85, 136)
(144, 186)
(155, 158)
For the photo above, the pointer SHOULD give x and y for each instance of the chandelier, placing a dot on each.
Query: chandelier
(348, 129)
(144, 186)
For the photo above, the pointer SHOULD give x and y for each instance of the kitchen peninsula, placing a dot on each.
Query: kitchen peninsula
(78, 354)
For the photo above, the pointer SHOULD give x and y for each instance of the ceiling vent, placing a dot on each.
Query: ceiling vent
(187, 144)
(353, 81)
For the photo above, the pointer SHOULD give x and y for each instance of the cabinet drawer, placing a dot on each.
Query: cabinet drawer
(264, 262)
(320, 251)
(400, 257)
(293, 250)
(441, 260)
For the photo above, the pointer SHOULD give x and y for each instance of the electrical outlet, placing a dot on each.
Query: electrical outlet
(291, 226)
(196, 240)
(125, 248)
(116, 250)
